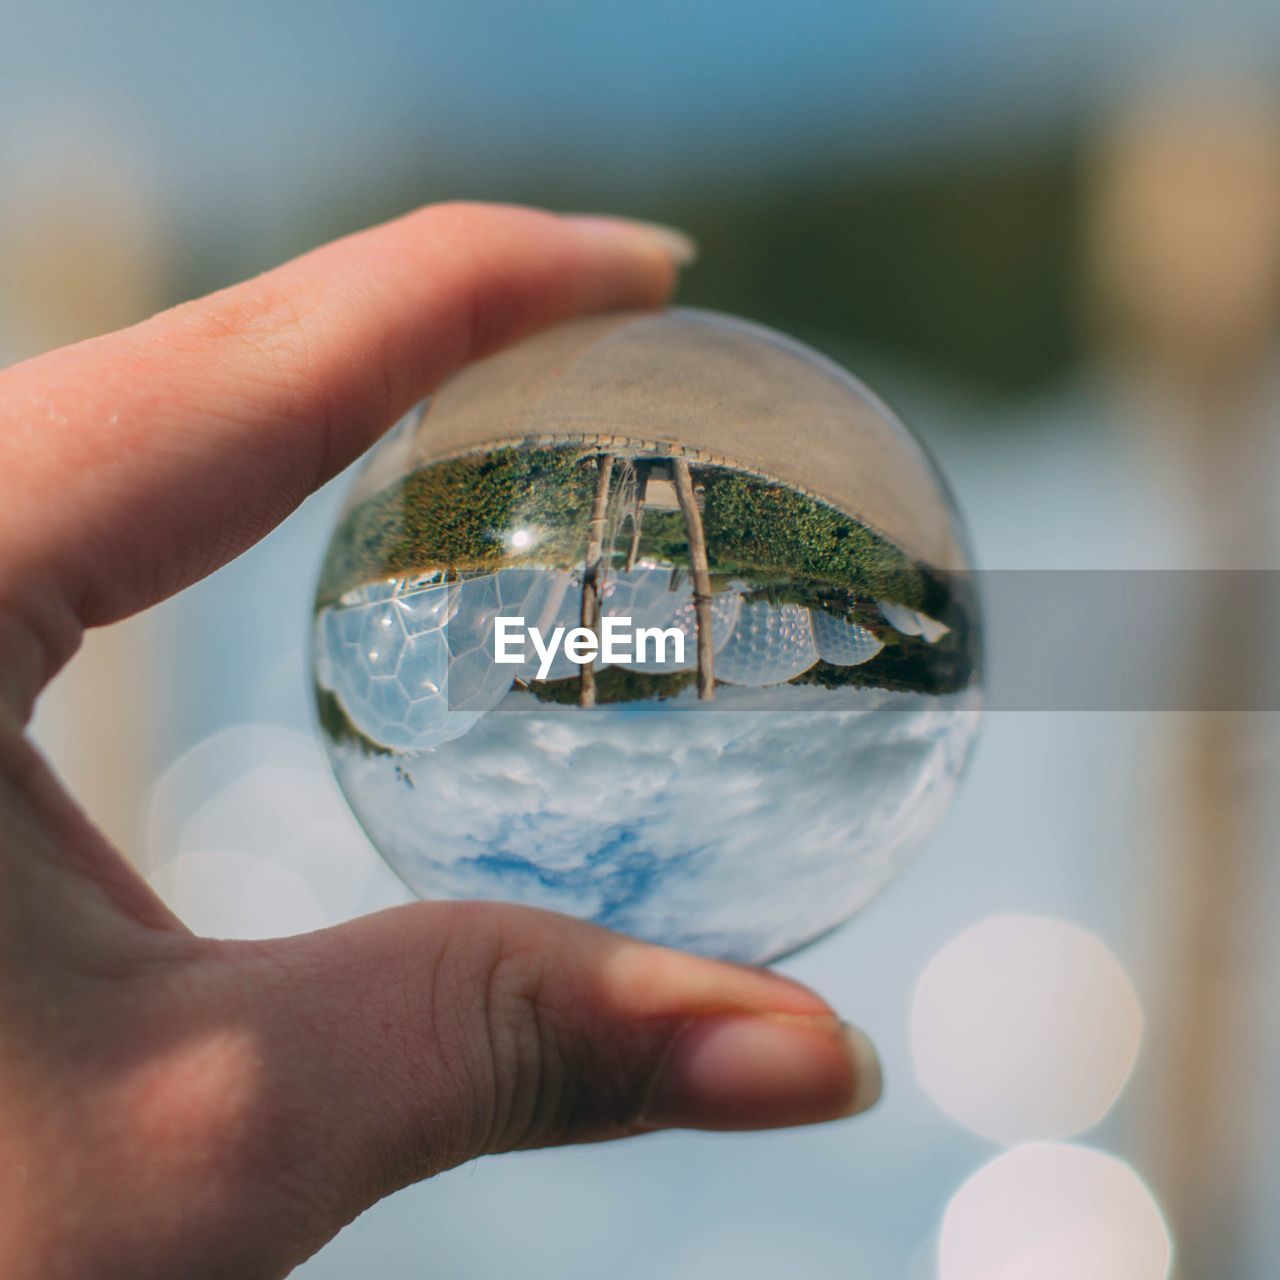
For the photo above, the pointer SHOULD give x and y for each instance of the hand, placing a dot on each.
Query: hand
(178, 1106)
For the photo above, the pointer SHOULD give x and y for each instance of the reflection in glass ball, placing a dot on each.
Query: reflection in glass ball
(662, 620)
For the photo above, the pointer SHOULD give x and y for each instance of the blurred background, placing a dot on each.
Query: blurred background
(1050, 236)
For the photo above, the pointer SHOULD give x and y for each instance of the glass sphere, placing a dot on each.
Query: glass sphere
(659, 619)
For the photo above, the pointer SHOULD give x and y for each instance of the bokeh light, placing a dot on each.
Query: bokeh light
(1049, 1211)
(1025, 1027)
(247, 837)
(220, 893)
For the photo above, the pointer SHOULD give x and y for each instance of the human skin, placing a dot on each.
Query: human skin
(180, 1106)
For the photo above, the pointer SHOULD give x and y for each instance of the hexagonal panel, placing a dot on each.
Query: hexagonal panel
(770, 644)
(841, 642)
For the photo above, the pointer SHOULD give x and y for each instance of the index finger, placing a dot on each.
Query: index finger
(134, 464)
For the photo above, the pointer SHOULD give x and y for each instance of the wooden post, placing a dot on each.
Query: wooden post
(1200, 350)
(701, 577)
(591, 574)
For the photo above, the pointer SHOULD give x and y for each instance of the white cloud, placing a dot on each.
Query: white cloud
(744, 829)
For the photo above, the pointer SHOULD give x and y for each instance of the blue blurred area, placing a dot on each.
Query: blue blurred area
(276, 105)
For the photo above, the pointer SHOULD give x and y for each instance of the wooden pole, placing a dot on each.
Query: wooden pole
(591, 574)
(701, 577)
(1198, 349)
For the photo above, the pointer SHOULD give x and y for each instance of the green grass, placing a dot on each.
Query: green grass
(455, 516)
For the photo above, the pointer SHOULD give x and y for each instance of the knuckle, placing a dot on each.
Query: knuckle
(497, 311)
(497, 1011)
(494, 306)
(530, 1068)
(270, 319)
(554, 1073)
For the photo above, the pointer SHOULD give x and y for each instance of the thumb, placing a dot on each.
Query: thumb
(411, 1041)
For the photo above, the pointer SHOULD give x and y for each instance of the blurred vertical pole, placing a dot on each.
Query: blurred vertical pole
(1186, 233)
(698, 563)
(592, 573)
(80, 254)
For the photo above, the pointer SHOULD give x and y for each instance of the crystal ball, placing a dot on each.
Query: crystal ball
(659, 619)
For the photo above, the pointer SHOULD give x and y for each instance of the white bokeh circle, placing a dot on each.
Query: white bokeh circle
(249, 837)
(1052, 1211)
(1025, 1028)
(220, 893)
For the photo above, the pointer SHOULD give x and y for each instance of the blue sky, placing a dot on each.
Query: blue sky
(242, 93)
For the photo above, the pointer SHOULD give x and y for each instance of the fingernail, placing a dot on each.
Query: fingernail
(868, 1079)
(763, 1072)
(680, 247)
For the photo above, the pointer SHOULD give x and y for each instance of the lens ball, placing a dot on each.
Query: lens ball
(659, 619)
